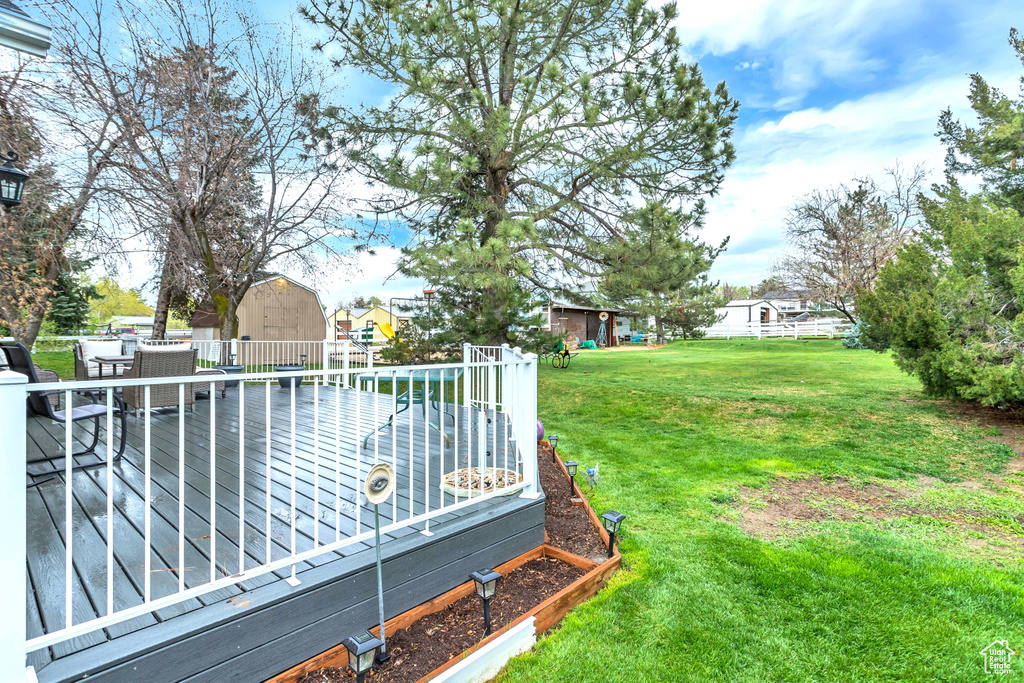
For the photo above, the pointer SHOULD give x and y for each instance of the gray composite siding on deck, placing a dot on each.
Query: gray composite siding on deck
(261, 626)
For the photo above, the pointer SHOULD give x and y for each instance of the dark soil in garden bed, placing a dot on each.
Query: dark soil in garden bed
(568, 526)
(434, 639)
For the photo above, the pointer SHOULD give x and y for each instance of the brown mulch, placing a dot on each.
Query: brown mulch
(434, 639)
(568, 526)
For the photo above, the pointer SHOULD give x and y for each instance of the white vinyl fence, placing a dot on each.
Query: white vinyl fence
(494, 388)
(792, 330)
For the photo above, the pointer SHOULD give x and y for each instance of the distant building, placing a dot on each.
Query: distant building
(139, 324)
(792, 304)
(749, 311)
(277, 309)
(355, 320)
(580, 323)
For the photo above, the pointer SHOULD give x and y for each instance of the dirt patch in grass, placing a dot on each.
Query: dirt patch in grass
(958, 517)
(1002, 425)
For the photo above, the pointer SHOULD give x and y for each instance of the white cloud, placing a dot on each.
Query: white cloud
(782, 160)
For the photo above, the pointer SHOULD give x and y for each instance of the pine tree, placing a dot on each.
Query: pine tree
(523, 136)
(994, 149)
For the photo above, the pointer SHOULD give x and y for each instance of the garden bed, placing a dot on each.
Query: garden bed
(540, 586)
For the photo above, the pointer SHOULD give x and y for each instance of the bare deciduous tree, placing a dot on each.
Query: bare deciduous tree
(840, 237)
(39, 237)
(219, 165)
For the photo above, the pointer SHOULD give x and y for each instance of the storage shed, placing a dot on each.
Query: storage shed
(580, 322)
(748, 312)
(277, 309)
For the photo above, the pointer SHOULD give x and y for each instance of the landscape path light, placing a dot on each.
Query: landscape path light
(12, 182)
(553, 440)
(612, 520)
(486, 581)
(362, 647)
(570, 467)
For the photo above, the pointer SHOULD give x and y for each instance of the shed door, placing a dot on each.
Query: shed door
(765, 316)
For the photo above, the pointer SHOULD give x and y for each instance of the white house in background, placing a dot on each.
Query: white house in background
(141, 324)
(749, 311)
(791, 304)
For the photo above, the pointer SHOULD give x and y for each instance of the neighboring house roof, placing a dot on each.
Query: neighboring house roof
(22, 33)
(747, 303)
(204, 317)
(133, 319)
(785, 294)
(561, 304)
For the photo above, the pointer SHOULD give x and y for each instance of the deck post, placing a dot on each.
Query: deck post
(528, 406)
(466, 381)
(12, 531)
(346, 345)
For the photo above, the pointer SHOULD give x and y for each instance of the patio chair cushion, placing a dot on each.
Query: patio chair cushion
(81, 412)
(91, 349)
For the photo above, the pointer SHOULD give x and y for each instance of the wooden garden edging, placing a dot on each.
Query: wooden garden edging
(545, 615)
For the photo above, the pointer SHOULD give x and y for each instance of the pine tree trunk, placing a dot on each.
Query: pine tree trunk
(163, 300)
(660, 324)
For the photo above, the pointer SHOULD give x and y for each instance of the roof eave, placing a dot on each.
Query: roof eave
(24, 34)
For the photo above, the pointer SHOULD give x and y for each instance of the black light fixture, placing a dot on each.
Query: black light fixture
(486, 581)
(361, 649)
(302, 360)
(612, 520)
(553, 439)
(570, 467)
(12, 182)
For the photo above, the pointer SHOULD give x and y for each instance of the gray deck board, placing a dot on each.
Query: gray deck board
(315, 467)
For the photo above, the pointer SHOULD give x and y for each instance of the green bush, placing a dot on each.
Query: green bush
(852, 338)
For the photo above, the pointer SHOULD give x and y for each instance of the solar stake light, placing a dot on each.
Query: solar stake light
(361, 650)
(553, 440)
(486, 581)
(612, 520)
(570, 467)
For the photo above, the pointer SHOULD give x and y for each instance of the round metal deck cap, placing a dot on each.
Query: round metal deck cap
(380, 482)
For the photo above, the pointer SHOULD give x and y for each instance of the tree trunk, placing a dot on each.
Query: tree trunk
(660, 325)
(27, 332)
(163, 300)
(227, 316)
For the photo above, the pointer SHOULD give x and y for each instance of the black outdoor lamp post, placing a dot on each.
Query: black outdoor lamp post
(486, 581)
(553, 439)
(361, 649)
(302, 359)
(612, 521)
(12, 182)
(570, 467)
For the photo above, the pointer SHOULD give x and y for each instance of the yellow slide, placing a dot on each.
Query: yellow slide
(387, 330)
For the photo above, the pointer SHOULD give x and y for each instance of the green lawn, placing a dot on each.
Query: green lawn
(61, 362)
(694, 439)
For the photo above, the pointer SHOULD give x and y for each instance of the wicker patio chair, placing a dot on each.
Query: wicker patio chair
(82, 364)
(42, 404)
(204, 387)
(151, 364)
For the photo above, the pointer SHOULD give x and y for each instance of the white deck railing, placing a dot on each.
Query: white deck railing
(494, 388)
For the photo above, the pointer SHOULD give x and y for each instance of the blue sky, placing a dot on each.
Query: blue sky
(829, 91)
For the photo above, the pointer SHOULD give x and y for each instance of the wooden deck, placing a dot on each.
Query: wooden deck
(121, 647)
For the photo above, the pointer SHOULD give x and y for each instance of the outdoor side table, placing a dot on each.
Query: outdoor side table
(113, 362)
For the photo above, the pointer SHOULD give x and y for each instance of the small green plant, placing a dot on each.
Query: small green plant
(852, 338)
